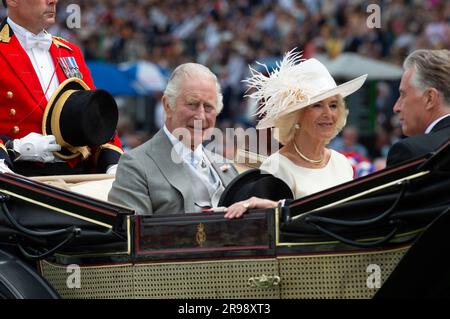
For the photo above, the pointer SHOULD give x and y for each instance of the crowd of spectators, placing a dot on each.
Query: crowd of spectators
(227, 36)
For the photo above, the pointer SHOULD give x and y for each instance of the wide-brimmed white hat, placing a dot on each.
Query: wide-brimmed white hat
(294, 84)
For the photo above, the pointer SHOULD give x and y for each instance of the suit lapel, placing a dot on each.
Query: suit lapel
(226, 171)
(15, 55)
(176, 173)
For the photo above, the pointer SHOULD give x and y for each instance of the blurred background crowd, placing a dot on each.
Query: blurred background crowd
(228, 36)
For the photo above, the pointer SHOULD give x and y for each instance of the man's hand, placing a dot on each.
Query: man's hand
(36, 148)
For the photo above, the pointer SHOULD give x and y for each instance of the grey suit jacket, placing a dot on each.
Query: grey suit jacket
(149, 181)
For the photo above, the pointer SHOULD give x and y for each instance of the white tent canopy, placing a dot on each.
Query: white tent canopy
(351, 65)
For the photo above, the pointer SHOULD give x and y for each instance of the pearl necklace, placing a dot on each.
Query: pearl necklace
(316, 162)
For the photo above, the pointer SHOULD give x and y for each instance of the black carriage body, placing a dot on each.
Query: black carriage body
(319, 246)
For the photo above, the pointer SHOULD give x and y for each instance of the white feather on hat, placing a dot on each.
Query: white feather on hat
(294, 84)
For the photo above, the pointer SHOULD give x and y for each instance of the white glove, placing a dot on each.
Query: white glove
(111, 170)
(36, 148)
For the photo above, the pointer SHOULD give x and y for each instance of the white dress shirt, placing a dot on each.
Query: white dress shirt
(200, 166)
(40, 58)
(196, 159)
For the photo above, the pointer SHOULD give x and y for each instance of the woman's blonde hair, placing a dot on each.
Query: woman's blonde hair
(285, 125)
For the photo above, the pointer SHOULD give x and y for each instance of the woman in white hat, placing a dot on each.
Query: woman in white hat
(301, 100)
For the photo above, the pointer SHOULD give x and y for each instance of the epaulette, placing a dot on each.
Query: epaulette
(5, 34)
(57, 41)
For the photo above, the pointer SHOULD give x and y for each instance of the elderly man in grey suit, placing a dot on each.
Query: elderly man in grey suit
(173, 172)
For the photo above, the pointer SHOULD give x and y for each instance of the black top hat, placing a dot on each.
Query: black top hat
(255, 182)
(79, 117)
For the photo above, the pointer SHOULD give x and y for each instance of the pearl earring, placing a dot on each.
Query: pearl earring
(297, 126)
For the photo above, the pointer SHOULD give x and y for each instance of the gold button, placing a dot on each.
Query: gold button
(15, 130)
(12, 112)
(9, 95)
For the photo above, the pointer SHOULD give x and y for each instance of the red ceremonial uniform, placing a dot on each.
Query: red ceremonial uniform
(23, 101)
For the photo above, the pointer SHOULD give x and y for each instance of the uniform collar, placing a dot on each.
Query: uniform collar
(5, 32)
(20, 32)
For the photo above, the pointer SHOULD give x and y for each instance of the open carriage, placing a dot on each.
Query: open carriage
(344, 242)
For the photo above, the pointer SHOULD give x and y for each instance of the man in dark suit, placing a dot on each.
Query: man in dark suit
(423, 105)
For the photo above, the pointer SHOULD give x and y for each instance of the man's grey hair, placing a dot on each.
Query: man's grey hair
(431, 68)
(186, 71)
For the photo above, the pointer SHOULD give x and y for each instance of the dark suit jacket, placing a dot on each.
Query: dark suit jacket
(420, 145)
